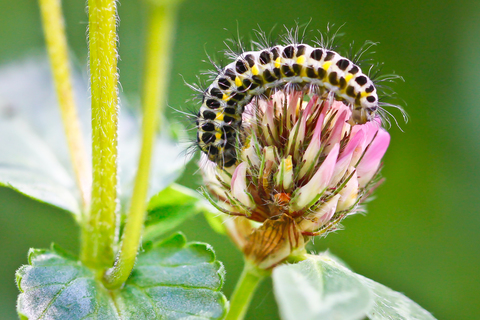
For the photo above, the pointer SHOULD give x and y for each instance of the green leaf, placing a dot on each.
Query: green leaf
(34, 158)
(389, 304)
(29, 166)
(170, 207)
(322, 287)
(319, 288)
(171, 280)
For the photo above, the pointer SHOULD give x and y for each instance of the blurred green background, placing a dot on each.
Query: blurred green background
(421, 234)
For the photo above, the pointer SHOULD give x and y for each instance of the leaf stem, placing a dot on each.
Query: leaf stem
(244, 290)
(160, 30)
(99, 229)
(56, 42)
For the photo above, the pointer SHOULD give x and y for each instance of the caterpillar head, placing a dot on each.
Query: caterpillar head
(367, 109)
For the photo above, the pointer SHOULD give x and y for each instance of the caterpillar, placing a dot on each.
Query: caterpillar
(255, 73)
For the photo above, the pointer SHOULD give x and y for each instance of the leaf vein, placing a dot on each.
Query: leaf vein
(167, 309)
(56, 296)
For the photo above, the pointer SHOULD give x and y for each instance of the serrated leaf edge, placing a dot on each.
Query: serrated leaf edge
(177, 240)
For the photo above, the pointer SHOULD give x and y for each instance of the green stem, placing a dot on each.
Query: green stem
(244, 290)
(56, 41)
(99, 229)
(161, 26)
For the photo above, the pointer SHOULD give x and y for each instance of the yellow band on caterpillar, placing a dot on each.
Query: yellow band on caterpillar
(255, 73)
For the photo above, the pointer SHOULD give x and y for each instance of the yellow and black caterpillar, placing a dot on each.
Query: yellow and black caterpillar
(253, 73)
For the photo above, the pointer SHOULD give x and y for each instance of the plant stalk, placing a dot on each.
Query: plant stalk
(160, 31)
(99, 229)
(244, 290)
(56, 42)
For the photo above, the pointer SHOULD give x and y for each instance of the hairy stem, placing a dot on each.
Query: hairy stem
(56, 41)
(244, 291)
(100, 226)
(161, 24)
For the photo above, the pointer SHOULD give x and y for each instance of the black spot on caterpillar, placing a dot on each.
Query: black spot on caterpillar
(254, 74)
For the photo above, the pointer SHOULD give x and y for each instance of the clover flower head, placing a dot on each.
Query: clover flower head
(303, 166)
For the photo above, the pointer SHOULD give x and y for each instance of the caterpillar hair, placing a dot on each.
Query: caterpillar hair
(292, 65)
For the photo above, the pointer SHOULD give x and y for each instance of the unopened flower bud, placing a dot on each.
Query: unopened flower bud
(349, 193)
(268, 125)
(239, 187)
(284, 175)
(249, 152)
(311, 192)
(315, 220)
(313, 151)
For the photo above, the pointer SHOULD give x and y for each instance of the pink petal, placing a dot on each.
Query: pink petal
(313, 148)
(370, 129)
(345, 160)
(337, 130)
(371, 160)
(318, 183)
